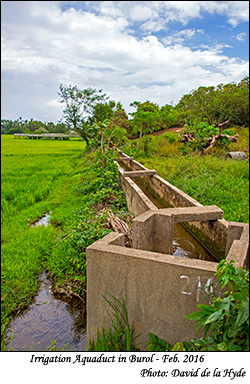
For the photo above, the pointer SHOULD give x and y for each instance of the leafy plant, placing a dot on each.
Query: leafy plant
(227, 316)
(156, 344)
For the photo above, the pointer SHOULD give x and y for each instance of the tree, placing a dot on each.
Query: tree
(120, 118)
(169, 115)
(145, 119)
(102, 111)
(78, 105)
(204, 137)
(216, 104)
(108, 133)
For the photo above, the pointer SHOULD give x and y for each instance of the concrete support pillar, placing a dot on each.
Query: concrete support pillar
(153, 232)
(234, 233)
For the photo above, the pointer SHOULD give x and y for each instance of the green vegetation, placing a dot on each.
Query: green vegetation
(32, 126)
(61, 178)
(78, 182)
(120, 336)
(83, 108)
(209, 179)
(217, 104)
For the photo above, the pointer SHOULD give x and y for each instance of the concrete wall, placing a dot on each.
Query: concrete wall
(159, 290)
(137, 202)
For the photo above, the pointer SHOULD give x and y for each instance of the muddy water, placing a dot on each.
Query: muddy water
(48, 318)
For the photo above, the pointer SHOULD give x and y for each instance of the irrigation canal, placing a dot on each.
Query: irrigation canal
(185, 243)
(50, 318)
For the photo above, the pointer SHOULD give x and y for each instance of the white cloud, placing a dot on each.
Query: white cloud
(241, 36)
(43, 46)
(182, 11)
(141, 13)
(180, 37)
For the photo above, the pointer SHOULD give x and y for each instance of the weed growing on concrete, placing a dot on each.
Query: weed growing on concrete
(120, 336)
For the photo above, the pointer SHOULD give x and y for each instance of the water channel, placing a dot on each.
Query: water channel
(48, 318)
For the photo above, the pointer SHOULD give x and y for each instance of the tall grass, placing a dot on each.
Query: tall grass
(209, 180)
(120, 336)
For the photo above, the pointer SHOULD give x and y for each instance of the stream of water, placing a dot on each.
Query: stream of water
(48, 318)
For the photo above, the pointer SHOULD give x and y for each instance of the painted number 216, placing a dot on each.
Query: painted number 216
(196, 287)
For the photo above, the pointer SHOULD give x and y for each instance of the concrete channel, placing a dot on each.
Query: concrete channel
(160, 288)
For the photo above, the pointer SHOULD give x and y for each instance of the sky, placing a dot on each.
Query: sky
(132, 50)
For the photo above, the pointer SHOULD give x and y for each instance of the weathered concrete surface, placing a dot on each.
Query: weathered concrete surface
(148, 172)
(235, 230)
(159, 290)
(154, 230)
(238, 240)
(239, 252)
(124, 158)
(236, 155)
(137, 201)
(215, 231)
(187, 214)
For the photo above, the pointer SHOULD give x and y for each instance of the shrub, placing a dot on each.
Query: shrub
(227, 316)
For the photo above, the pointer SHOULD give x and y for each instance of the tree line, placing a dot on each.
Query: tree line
(101, 121)
(31, 126)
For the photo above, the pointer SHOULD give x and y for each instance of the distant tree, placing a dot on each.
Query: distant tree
(146, 119)
(217, 104)
(102, 111)
(168, 115)
(34, 125)
(41, 130)
(78, 105)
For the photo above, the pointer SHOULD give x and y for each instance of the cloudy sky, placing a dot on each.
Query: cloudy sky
(133, 50)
